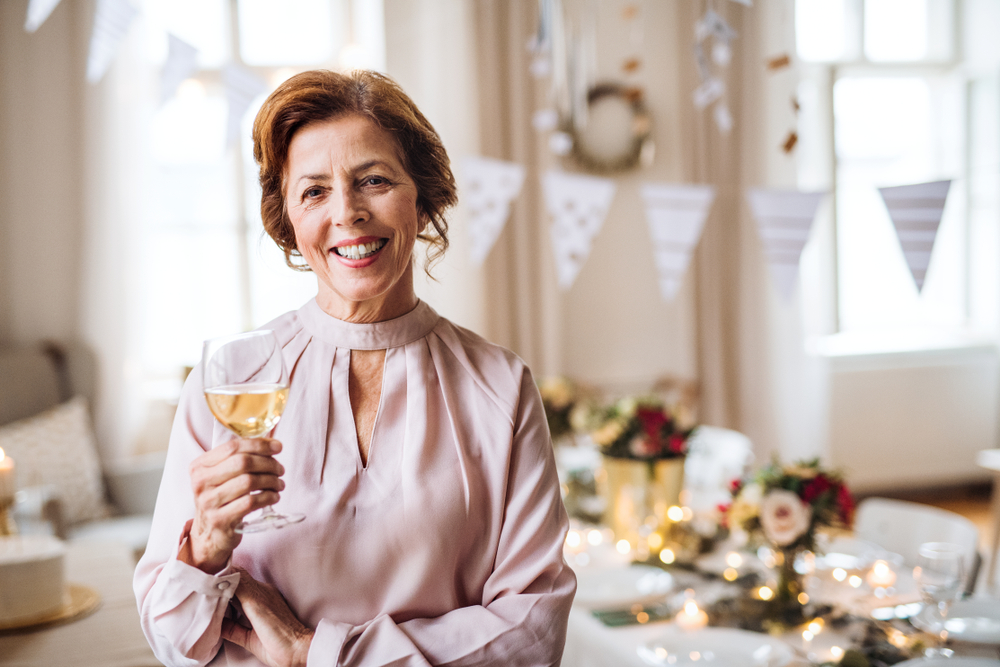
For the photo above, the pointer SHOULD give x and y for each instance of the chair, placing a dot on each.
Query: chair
(990, 460)
(901, 527)
(716, 456)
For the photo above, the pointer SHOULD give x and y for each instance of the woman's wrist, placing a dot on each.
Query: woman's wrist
(300, 654)
(193, 552)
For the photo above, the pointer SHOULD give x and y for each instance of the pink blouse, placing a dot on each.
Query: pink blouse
(446, 548)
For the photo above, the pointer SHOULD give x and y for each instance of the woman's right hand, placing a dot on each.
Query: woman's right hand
(225, 481)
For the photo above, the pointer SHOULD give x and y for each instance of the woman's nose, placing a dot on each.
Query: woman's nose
(349, 208)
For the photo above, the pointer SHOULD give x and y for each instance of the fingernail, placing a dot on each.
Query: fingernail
(275, 446)
(281, 485)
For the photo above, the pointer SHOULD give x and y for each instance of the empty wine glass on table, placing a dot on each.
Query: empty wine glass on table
(939, 573)
(246, 387)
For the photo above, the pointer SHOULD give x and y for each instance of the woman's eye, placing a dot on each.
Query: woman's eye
(375, 180)
(312, 193)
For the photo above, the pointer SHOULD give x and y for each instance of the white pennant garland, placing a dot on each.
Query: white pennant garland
(242, 86)
(489, 187)
(676, 215)
(916, 212)
(182, 62)
(111, 21)
(784, 220)
(38, 11)
(578, 205)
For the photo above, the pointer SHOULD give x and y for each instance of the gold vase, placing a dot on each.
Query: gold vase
(637, 495)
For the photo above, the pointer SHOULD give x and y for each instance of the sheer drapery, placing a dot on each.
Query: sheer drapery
(727, 328)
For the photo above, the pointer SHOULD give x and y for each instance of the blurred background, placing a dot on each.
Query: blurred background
(129, 208)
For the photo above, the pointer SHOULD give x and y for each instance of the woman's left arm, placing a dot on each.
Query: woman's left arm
(526, 600)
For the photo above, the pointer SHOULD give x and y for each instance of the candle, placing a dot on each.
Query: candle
(691, 617)
(7, 482)
(881, 575)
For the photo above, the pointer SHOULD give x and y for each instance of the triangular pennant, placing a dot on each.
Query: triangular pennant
(578, 205)
(182, 62)
(111, 21)
(916, 212)
(242, 86)
(784, 219)
(489, 187)
(676, 215)
(38, 11)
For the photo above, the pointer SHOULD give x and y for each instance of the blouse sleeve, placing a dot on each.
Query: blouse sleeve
(181, 607)
(526, 600)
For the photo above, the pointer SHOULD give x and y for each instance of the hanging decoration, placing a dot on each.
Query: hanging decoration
(578, 205)
(784, 220)
(242, 86)
(712, 89)
(111, 22)
(489, 186)
(38, 11)
(182, 62)
(916, 212)
(676, 214)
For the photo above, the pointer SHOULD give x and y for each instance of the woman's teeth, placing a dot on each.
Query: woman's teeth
(360, 251)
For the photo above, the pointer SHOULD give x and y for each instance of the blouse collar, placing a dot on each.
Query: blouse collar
(375, 336)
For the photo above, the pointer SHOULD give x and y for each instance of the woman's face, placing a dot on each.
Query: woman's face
(354, 212)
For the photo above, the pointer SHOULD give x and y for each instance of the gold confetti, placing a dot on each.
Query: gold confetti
(779, 62)
(790, 142)
(630, 12)
(631, 65)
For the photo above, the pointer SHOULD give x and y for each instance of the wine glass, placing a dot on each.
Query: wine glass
(246, 387)
(939, 573)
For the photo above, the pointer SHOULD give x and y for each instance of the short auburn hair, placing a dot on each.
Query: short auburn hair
(321, 95)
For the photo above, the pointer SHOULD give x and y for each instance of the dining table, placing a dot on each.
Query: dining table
(109, 636)
(632, 614)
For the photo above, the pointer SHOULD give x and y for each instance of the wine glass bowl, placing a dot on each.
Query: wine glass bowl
(246, 387)
(939, 573)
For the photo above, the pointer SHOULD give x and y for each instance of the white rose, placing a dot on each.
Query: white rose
(784, 517)
(751, 494)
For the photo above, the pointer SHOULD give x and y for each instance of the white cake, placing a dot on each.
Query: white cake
(32, 578)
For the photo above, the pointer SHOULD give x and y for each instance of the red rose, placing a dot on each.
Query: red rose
(735, 486)
(815, 487)
(846, 502)
(652, 420)
(676, 443)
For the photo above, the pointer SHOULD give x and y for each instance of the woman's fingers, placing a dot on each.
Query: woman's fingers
(229, 482)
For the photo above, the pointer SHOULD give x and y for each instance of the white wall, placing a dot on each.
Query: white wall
(41, 148)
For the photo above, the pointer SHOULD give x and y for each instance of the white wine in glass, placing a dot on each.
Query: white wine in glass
(246, 387)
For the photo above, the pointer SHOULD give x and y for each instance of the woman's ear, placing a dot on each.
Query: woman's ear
(422, 220)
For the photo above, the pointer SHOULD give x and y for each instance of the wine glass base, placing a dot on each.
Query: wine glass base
(268, 522)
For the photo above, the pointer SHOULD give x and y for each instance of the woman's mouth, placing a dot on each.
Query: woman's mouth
(360, 250)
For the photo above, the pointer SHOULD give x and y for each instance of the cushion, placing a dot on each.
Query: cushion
(58, 447)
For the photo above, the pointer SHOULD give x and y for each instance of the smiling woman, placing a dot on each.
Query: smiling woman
(418, 451)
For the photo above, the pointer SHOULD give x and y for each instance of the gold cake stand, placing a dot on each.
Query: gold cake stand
(81, 601)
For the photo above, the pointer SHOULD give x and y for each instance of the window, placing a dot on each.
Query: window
(889, 98)
(207, 268)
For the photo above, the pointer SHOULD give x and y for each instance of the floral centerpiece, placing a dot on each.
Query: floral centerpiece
(640, 428)
(786, 506)
(643, 445)
(559, 396)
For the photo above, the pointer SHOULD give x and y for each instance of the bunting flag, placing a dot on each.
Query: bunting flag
(489, 187)
(578, 205)
(182, 62)
(38, 11)
(784, 219)
(916, 212)
(111, 22)
(242, 87)
(676, 215)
